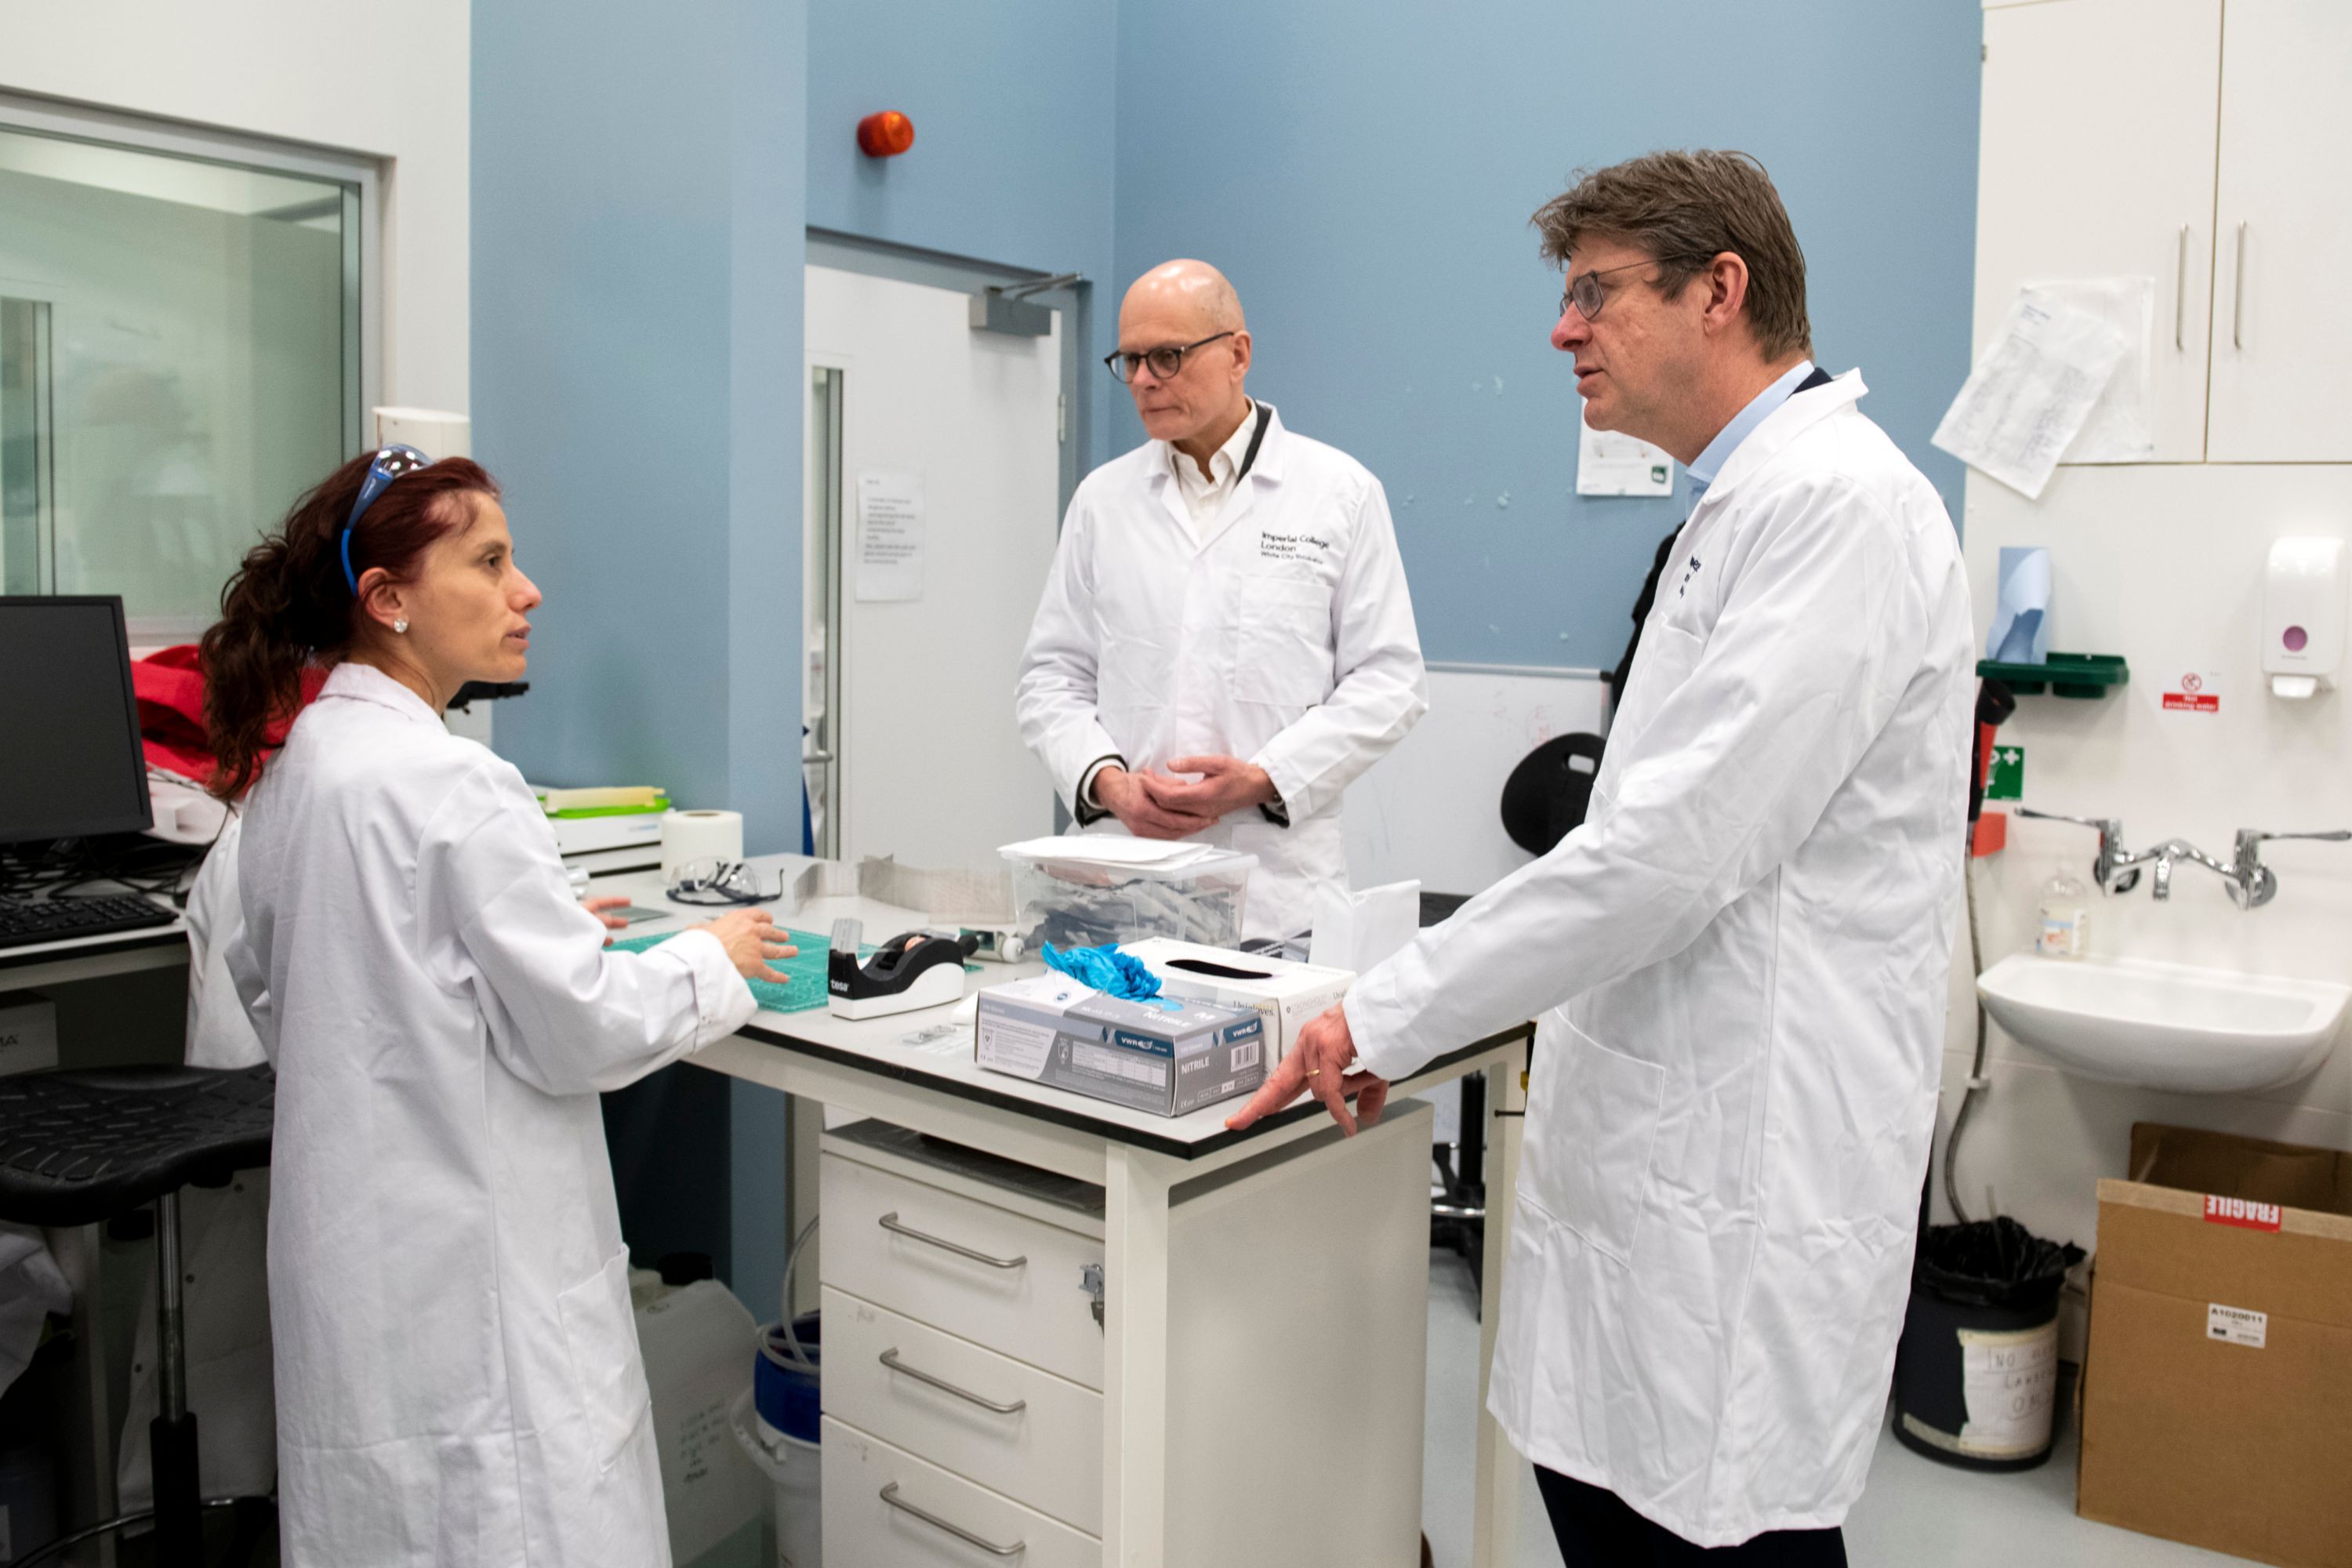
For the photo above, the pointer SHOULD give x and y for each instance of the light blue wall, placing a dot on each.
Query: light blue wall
(1014, 104)
(638, 243)
(638, 236)
(1365, 172)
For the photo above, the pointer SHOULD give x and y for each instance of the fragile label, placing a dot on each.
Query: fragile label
(2236, 1325)
(2242, 1212)
(2009, 1380)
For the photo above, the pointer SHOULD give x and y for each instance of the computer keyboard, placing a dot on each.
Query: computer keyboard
(24, 922)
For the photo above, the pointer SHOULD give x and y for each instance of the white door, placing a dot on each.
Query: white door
(2096, 160)
(2282, 336)
(968, 424)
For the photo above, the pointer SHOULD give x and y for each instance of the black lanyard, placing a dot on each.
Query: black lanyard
(1257, 437)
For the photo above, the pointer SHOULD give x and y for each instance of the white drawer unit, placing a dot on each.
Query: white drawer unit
(1006, 1280)
(883, 1506)
(1028, 1434)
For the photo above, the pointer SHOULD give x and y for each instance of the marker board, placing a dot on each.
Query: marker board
(1433, 808)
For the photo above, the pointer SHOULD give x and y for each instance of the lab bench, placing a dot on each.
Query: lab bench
(1262, 1293)
(1263, 1299)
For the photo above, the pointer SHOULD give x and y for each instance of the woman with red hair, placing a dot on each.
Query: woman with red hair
(456, 1362)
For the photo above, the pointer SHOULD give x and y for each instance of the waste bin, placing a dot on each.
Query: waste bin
(1976, 1372)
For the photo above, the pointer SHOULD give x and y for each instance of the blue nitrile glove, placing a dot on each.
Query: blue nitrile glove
(1105, 969)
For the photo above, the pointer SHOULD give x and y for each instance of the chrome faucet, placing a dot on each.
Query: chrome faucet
(2173, 849)
(2117, 870)
(2254, 884)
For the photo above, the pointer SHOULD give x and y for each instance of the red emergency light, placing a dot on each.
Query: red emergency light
(886, 134)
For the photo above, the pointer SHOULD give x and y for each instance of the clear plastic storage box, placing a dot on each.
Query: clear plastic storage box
(1066, 896)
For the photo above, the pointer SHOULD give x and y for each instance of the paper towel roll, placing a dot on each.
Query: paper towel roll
(701, 836)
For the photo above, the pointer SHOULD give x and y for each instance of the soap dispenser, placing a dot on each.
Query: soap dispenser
(2303, 617)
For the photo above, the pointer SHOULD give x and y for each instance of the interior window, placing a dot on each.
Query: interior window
(179, 359)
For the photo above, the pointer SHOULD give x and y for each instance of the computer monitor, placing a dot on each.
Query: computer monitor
(70, 762)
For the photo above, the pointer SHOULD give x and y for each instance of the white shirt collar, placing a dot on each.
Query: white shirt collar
(1205, 494)
(366, 683)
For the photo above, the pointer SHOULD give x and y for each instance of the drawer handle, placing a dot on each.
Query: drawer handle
(889, 1222)
(890, 1496)
(889, 1358)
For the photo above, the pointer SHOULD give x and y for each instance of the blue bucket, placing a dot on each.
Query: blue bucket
(785, 1392)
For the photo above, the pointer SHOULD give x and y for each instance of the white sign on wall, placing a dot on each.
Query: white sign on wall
(1608, 464)
(889, 536)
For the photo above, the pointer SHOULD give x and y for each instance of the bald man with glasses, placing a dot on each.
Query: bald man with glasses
(1225, 641)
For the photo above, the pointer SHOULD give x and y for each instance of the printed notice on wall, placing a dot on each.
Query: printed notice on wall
(889, 537)
(1608, 464)
(2010, 1381)
(2032, 390)
(2193, 692)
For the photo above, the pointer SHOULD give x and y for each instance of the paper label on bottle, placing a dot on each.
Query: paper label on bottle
(2008, 1379)
(2237, 1325)
(2062, 935)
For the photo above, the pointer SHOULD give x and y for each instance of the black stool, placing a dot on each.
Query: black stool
(79, 1147)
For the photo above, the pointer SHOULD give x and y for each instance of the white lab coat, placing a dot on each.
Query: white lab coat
(459, 1380)
(1285, 638)
(1729, 1122)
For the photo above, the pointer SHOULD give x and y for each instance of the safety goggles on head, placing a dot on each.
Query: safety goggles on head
(389, 463)
(1165, 363)
(712, 881)
(1584, 290)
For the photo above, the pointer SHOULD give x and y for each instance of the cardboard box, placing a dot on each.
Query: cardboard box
(2217, 1392)
(1164, 1056)
(29, 1032)
(1285, 994)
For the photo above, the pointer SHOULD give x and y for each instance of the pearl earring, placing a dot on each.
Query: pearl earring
(400, 626)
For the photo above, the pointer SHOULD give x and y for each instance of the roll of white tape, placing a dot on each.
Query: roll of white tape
(701, 836)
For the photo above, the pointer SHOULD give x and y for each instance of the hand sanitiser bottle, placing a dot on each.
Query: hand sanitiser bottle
(2066, 918)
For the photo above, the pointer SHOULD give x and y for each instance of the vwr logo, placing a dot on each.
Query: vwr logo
(2242, 1212)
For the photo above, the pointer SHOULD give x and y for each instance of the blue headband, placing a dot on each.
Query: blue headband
(389, 463)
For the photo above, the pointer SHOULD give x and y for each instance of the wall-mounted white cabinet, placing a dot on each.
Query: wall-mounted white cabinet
(2282, 330)
(2193, 142)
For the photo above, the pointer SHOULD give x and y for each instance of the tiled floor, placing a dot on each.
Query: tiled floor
(1916, 1513)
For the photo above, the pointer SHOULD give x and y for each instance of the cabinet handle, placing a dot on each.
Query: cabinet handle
(889, 1222)
(890, 1495)
(2180, 293)
(889, 1358)
(2238, 310)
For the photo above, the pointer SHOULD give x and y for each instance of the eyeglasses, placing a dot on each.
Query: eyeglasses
(1584, 290)
(390, 464)
(1165, 363)
(719, 882)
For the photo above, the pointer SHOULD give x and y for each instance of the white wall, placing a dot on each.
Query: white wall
(1432, 809)
(2163, 564)
(391, 84)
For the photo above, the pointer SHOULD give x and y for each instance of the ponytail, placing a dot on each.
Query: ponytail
(289, 605)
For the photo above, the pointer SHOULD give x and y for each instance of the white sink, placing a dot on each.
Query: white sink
(2165, 1026)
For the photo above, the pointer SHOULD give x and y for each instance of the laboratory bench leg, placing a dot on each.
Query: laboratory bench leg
(1493, 1541)
(1135, 1357)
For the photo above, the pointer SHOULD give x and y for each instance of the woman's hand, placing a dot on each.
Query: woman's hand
(599, 904)
(752, 939)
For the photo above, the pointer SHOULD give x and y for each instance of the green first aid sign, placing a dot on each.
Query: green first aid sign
(2005, 774)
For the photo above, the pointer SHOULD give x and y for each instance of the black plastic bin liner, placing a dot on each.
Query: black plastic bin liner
(1987, 1276)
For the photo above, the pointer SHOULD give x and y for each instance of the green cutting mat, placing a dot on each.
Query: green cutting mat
(803, 991)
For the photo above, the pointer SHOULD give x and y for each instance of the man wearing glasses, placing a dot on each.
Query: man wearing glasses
(1225, 641)
(1748, 940)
